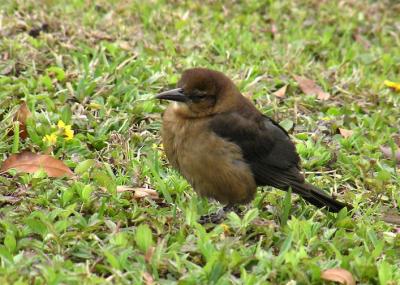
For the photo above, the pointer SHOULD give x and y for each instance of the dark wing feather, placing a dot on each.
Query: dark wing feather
(272, 156)
(265, 145)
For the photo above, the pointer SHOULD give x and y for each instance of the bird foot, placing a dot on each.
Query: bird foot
(216, 218)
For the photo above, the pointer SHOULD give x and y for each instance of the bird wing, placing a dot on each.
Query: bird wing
(266, 146)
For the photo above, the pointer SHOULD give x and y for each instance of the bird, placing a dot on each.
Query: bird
(225, 147)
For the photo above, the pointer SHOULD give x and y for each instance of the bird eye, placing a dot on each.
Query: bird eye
(197, 96)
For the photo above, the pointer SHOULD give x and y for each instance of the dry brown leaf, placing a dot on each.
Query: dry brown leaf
(5, 55)
(125, 45)
(387, 152)
(147, 278)
(281, 92)
(149, 254)
(21, 116)
(100, 35)
(139, 193)
(345, 133)
(339, 275)
(323, 96)
(31, 162)
(123, 188)
(309, 87)
(391, 218)
(260, 222)
(9, 200)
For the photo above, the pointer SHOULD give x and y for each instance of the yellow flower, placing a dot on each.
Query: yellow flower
(225, 227)
(61, 124)
(68, 133)
(391, 84)
(51, 139)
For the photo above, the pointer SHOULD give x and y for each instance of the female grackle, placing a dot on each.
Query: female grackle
(225, 147)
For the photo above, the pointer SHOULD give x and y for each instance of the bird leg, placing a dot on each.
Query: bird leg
(217, 217)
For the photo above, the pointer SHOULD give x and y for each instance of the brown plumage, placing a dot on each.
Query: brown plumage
(225, 147)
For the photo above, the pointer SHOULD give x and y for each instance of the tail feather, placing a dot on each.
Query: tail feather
(318, 197)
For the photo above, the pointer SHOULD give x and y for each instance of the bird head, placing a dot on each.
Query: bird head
(203, 92)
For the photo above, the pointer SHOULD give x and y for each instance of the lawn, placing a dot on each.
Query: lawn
(88, 71)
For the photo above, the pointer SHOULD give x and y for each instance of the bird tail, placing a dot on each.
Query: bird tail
(318, 197)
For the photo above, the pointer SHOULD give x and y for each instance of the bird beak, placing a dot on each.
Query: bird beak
(173, 95)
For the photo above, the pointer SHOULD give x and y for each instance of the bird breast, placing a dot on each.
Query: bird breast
(215, 167)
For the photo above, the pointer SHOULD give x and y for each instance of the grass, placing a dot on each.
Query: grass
(96, 66)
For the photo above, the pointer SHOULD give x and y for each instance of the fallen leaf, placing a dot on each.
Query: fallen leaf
(31, 162)
(125, 45)
(9, 199)
(147, 278)
(339, 275)
(139, 193)
(21, 116)
(391, 218)
(309, 87)
(281, 92)
(100, 35)
(345, 133)
(123, 188)
(5, 55)
(323, 96)
(260, 222)
(144, 192)
(394, 85)
(387, 152)
(149, 254)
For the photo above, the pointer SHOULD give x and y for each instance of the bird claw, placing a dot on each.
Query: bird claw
(216, 218)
